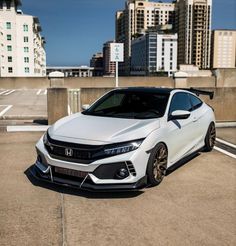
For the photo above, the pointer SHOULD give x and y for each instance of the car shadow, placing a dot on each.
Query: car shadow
(83, 193)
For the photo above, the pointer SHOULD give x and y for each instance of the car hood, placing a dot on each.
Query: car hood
(86, 129)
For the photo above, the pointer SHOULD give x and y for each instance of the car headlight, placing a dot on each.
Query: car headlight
(122, 148)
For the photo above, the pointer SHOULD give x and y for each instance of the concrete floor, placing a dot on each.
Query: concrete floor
(25, 103)
(195, 205)
(227, 134)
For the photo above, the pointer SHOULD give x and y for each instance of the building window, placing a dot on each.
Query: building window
(8, 3)
(10, 70)
(9, 58)
(26, 39)
(9, 37)
(26, 59)
(27, 70)
(25, 28)
(9, 48)
(8, 25)
(26, 49)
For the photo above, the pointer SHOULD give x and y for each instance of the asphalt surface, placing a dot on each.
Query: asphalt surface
(18, 104)
(195, 205)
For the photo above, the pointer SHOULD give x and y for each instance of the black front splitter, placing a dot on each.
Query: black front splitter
(36, 173)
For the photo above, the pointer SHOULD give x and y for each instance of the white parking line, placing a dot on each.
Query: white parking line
(38, 92)
(6, 109)
(225, 152)
(3, 92)
(225, 142)
(45, 92)
(27, 128)
(8, 93)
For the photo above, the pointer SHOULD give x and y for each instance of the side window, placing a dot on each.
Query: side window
(180, 101)
(196, 102)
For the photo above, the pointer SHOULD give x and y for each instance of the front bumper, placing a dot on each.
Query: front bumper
(46, 174)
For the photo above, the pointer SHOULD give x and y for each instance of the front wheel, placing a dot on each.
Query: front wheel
(210, 138)
(157, 164)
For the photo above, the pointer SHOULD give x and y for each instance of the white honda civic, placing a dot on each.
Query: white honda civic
(126, 140)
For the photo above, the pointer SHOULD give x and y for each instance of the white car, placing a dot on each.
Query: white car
(126, 140)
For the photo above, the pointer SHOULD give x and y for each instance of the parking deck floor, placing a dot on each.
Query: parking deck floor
(195, 205)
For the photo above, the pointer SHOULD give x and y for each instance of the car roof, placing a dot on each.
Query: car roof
(147, 89)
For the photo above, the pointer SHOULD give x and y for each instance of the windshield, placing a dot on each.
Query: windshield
(130, 104)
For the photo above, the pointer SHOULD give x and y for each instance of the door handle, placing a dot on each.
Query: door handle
(195, 119)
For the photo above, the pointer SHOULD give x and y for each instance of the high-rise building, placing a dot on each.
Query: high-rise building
(193, 24)
(138, 16)
(97, 63)
(224, 49)
(153, 53)
(109, 67)
(22, 50)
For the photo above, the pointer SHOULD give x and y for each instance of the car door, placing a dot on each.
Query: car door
(180, 133)
(200, 124)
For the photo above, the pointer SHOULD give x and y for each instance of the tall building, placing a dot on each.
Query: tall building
(22, 50)
(224, 49)
(138, 16)
(153, 53)
(193, 24)
(97, 63)
(109, 67)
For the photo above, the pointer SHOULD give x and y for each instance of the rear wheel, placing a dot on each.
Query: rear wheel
(157, 164)
(210, 138)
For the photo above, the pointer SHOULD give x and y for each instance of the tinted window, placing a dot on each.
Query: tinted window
(130, 104)
(180, 101)
(196, 102)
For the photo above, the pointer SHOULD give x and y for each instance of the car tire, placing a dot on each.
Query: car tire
(157, 164)
(210, 138)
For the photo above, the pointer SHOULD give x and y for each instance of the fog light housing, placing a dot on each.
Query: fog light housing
(122, 173)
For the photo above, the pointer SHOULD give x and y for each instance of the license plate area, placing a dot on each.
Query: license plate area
(70, 172)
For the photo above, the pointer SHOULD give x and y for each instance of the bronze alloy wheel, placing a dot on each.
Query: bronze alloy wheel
(210, 138)
(157, 165)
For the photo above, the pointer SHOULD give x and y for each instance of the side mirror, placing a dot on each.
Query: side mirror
(85, 106)
(179, 115)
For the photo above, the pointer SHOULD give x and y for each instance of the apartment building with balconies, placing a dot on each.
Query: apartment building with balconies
(193, 25)
(136, 18)
(22, 52)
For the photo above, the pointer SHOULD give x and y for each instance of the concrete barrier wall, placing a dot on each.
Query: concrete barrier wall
(201, 82)
(225, 77)
(223, 103)
(24, 83)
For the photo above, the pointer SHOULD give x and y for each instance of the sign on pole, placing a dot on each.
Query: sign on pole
(117, 55)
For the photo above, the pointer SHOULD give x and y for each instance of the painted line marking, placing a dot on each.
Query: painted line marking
(225, 152)
(225, 124)
(8, 107)
(45, 92)
(3, 92)
(226, 143)
(39, 91)
(27, 128)
(8, 93)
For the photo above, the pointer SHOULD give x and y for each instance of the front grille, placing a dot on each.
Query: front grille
(73, 152)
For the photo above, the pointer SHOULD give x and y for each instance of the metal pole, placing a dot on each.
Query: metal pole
(117, 81)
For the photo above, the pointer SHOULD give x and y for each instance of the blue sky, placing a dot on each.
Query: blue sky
(76, 29)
